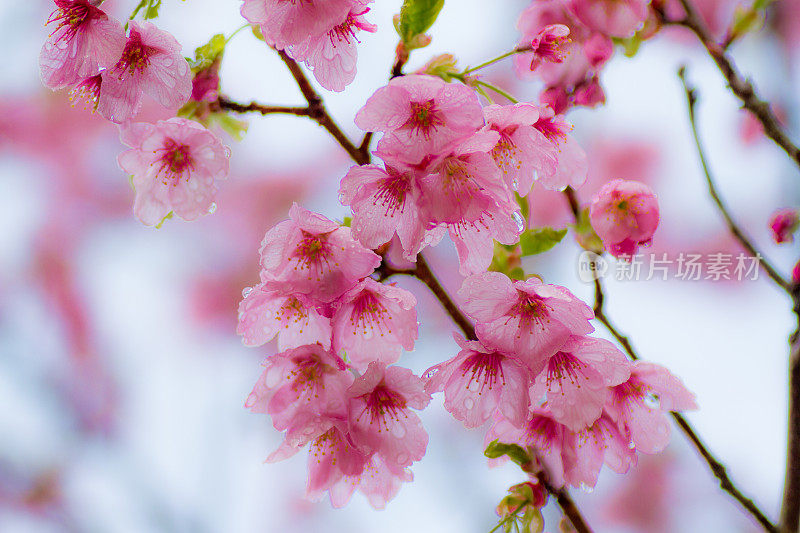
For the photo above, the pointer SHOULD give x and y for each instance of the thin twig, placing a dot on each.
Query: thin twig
(741, 87)
(254, 107)
(736, 231)
(568, 506)
(790, 507)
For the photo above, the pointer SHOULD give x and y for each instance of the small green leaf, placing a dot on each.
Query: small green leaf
(585, 234)
(233, 127)
(416, 17)
(524, 206)
(347, 221)
(514, 452)
(205, 55)
(537, 241)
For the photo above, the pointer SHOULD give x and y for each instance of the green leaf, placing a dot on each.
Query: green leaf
(537, 241)
(524, 206)
(205, 55)
(514, 452)
(416, 17)
(233, 127)
(150, 7)
(585, 234)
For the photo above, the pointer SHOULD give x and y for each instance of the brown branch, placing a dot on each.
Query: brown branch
(567, 505)
(736, 231)
(254, 107)
(790, 507)
(319, 113)
(716, 467)
(741, 87)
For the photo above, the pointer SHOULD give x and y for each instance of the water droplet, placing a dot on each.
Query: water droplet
(399, 430)
(212, 208)
(246, 291)
(519, 220)
(586, 488)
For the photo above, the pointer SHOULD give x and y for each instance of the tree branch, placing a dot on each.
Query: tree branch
(254, 107)
(790, 507)
(691, 99)
(740, 86)
(568, 506)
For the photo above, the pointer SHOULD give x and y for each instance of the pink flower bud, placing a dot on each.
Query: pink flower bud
(625, 215)
(784, 223)
(796, 273)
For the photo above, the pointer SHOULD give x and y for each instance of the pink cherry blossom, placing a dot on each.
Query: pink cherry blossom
(478, 381)
(267, 311)
(175, 165)
(337, 466)
(522, 150)
(615, 18)
(639, 405)
(151, 64)
(332, 55)
(421, 115)
(783, 223)
(547, 46)
(465, 192)
(625, 215)
(576, 380)
(86, 40)
(374, 322)
(304, 390)
(528, 319)
(313, 255)
(289, 23)
(600, 443)
(386, 202)
(572, 167)
(380, 418)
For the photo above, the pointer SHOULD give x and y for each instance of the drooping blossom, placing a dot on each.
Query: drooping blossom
(522, 150)
(572, 167)
(267, 311)
(614, 18)
(313, 255)
(528, 319)
(332, 55)
(783, 223)
(547, 46)
(381, 420)
(337, 466)
(420, 115)
(624, 214)
(465, 192)
(600, 443)
(374, 322)
(478, 381)
(577, 378)
(639, 405)
(387, 202)
(86, 40)
(151, 64)
(284, 24)
(304, 390)
(175, 165)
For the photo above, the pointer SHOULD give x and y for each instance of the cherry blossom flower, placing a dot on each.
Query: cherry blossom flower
(576, 380)
(304, 390)
(572, 166)
(380, 418)
(337, 466)
(615, 18)
(522, 150)
(86, 40)
(477, 381)
(783, 223)
(289, 23)
(374, 322)
(332, 55)
(313, 255)
(386, 202)
(267, 311)
(151, 64)
(600, 443)
(420, 115)
(639, 404)
(625, 215)
(465, 192)
(548, 44)
(175, 165)
(528, 319)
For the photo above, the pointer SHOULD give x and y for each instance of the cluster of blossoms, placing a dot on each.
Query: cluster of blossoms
(321, 33)
(334, 322)
(571, 40)
(175, 163)
(453, 166)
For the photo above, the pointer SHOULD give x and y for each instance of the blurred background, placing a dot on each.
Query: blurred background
(122, 381)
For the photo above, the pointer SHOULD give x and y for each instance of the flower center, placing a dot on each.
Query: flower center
(71, 15)
(135, 57)
(424, 119)
(175, 162)
(485, 370)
